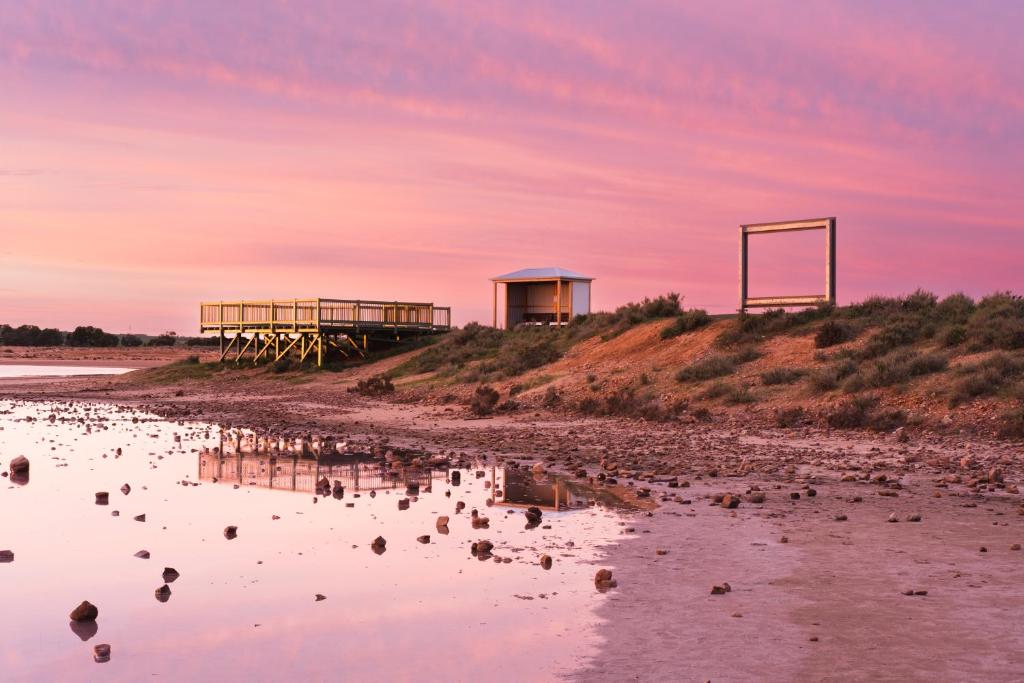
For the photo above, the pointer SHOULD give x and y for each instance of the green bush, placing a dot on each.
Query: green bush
(782, 376)
(30, 335)
(833, 332)
(985, 378)
(896, 368)
(717, 365)
(686, 322)
(851, 414)
(484, 400)
(86, 335)
(954, 336)
(789, 417)
(997, 323)
(378, 385)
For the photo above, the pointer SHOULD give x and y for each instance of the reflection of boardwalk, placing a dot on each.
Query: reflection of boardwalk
(294, 473)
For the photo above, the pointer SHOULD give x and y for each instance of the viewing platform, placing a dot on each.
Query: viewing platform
(317, 326)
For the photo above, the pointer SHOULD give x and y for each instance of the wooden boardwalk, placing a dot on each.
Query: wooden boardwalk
(277, 327)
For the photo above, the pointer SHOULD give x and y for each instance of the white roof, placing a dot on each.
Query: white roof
(543, 274)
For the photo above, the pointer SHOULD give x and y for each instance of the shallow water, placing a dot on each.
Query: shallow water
(245, 607)
(57, 370)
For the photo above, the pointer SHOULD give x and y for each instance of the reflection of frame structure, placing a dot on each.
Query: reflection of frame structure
(829, 297)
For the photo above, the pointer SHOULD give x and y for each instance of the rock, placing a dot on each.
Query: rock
(19, 465)
(379, 542)
(320, 597)
(403, 504)
(811, 493)
(6, 556)
(102, 497)
(423, 539)
(442, 521)
(546, 561)
(482, 547)
(170, 575)
(603, 579)
(163, 593)
(142, 554)
(893, 517)
(982, 549)
(101, 653)
(721, 589)
(756, 497)
(784, 539)
(139, 518)
(915, 517)
(794, 495)
(126, 489)
(230, 532)
(538, 468)
(730, 501)
(661, 551)
(456, 477)
(85, 612)
(1015, 546)
(840, 518)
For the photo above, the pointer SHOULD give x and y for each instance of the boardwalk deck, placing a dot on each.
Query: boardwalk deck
(315, 325)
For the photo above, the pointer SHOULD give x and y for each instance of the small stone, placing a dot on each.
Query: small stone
(442, 521)
(379, 542)
(85, 612)
(126, 489)
(163, 593)
(983, 549)
(142, 554)
(893, 517)
(603, 579)
(1015, 546)
(811, 493)
(813, 639)
(170, 575)
(784, 539)
(794, 495)
(102, 497)
(756, 497)
(730, 501)
(139, 518)
(661, 551)
(718, 590)
(6, 556)
(19, 465)
(546, 561)
(230, 532)
(914, 517)
(423, 539)
(101, 653)
(320, 597)
(840, 518)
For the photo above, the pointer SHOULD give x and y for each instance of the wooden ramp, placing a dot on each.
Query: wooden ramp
(322, 326)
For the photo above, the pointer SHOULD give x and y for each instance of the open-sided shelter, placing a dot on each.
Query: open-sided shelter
(540, 296)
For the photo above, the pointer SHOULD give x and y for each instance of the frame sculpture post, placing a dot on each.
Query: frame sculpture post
(829, 297)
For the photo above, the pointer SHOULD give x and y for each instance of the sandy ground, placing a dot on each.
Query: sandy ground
(827, 605)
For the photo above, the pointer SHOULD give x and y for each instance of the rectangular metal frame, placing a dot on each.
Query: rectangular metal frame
(829, 297)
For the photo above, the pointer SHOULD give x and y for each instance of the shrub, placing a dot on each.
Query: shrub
(833, 332)
(851, 414)
(985, 378)
(285, 364)
(750, 328)
(782, 376)
(789, 417)
(687, 321)
(163, 340)
(731, 394)
(551, 397)
(1011, 424)
(895, 368)
(828, 378)
(524, 350)
(997, 323)
(955, 309)
(484, 400)
(609, 325)
(717, 365)
(955, 335)
(589, 405)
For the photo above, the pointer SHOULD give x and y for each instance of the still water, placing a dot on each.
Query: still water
(245, 607)
(18, 370)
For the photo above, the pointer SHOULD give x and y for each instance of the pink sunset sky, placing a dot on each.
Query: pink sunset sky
(155, 154)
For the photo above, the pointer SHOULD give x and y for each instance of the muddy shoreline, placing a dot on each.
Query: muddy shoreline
(827, 604)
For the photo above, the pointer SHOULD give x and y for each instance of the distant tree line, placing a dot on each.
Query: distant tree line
(87, 335)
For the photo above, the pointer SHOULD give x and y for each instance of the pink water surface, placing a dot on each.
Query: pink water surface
(245, 608)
